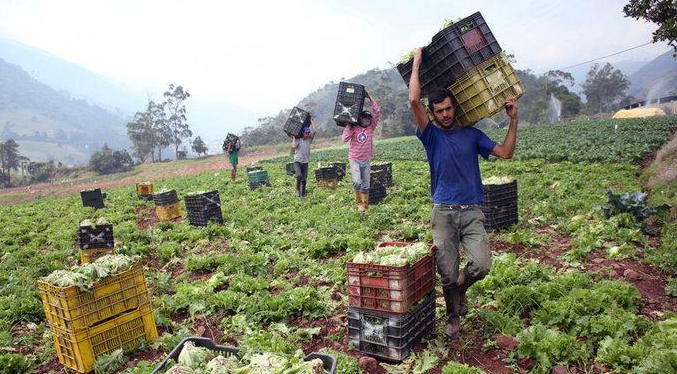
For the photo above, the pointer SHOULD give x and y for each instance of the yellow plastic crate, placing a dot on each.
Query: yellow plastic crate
(328, 183)
(87, 256)
(167, 212)
(69, 308)
(144, 189)
(79, 350)
(481, 92)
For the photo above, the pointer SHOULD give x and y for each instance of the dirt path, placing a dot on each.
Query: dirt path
(145, 172)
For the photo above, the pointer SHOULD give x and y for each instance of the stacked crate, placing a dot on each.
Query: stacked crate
(377, 186)
(340, 169)
(115, 313)
(298, 120)
(500, 205)
(167, 205)
(95, 240)
(465, 58)
(203, 208)
(391, 308)
(258, 178)
(92, 198)
(327, 177)
(144, 191)
(349, 103)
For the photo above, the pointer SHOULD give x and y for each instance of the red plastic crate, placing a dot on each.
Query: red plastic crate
(391, 289)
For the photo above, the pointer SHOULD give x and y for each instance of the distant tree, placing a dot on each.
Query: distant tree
(107, 161)
(182, 154)
(199, 146)
(661, 12)
(9, 160)
(604, 88)
(141, 131)
(174, 104)
(162, 133)
(41, 171)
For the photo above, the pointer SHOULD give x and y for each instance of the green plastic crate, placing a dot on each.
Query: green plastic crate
(481, 92)
(258, 176)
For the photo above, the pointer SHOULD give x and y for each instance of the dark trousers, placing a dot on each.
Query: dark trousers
(301, 170)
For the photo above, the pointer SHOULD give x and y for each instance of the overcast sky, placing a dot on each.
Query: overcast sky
(267, 55)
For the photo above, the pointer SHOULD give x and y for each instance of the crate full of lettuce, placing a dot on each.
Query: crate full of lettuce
(392, 277)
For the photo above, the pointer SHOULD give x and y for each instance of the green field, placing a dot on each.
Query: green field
(273, 276)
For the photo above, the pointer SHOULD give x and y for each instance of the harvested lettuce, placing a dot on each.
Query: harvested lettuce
(393, 255)
(194, 357)
(86, 275)
(497, 180)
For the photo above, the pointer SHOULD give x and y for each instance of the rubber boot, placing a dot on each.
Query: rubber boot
(303, 189)
(365, 200)
(298, 187)
(463, 278)
(451, 299)
(358, 198)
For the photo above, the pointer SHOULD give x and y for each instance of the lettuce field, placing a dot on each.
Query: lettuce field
(570, 288)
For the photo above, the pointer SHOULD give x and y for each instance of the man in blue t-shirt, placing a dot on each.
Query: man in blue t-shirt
(456, 189)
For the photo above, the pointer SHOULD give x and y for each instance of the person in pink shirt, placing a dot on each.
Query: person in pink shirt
(361, 151)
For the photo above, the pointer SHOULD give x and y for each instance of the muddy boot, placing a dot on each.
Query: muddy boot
(365, 200)
(451, 299)
(303, 189)
(463, 279)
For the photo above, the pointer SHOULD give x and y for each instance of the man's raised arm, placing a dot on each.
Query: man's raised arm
(415, 92)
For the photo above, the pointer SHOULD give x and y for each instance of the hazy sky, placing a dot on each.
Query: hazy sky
(267, 55)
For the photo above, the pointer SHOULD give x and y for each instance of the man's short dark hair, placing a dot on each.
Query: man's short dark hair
(437, 96)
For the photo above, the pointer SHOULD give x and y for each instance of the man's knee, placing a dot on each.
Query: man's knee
(480, 269)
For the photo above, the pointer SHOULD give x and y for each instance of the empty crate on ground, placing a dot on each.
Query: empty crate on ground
(481, 92)
(383, 173)
(207, 352)
(166, 197)
(92, 198)
(349, 103)
(167, 205)
(392, 278)
(97, 234)
(203, 207)
(258, 178)
(500, 203)
(327, 172)
(453, 51)
(391, 336)
(340, 169)
(298, 119)
(289, 168)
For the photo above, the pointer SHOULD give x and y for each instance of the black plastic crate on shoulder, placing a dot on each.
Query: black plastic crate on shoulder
(498, 217)
(328, 362)
(453, 51)
(95, 237)
(501, 194)
(328, 172)
(92, 198)
(297, 120)
(389, 336)
(166, 198)
(349, 103)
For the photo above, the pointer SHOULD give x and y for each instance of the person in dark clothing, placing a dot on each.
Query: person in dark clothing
(301, 149)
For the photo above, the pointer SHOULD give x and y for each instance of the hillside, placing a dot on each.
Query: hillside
(49, 124)
(656, 79)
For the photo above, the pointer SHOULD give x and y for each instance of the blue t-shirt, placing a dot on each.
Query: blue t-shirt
(454, 166)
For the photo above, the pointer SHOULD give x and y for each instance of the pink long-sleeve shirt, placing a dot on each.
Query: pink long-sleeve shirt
(362, 138)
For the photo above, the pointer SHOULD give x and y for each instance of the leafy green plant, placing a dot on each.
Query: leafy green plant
(109, 363)
(11, 363)
(549, 347)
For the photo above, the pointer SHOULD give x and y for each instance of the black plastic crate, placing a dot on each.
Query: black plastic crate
(95, 236)
(340, 169)
(289, 168)
(255, 185)
(203, 201)
(380, 176)
(203, 217)
(499, 217)
(391, 336)
(452, 52)
(349, 103)
(501, 194)
(329, 362)
(377, 192)
(384, 173)
(92, 198)
(325, 173)
(298, 119)
(166, 198)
